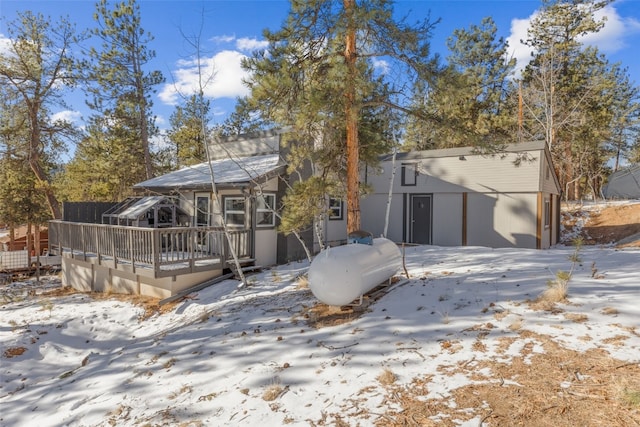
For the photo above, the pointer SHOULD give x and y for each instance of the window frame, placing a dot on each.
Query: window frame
(409, 177)
(269, 209)
(234, 211)
(340, 208)
(547, 213)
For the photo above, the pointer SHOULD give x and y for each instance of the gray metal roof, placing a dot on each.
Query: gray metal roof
(467, 151)
(227, 172)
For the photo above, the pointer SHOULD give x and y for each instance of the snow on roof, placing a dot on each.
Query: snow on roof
(225, 171)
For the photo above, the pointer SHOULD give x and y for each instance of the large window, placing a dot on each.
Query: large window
(234, 211)
(409, 174)
(265, 205)
(336, 208)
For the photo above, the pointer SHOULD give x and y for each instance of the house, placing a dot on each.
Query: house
(623, 184)
(171, 238)
(457, 197)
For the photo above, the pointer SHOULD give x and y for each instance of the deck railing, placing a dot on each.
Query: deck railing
(162, 251)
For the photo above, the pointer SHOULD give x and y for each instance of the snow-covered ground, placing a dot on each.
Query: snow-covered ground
(217, 356)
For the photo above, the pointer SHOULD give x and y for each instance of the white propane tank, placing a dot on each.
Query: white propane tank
(339, 275)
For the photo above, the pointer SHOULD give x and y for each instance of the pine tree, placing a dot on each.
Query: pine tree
(185, 134)
(468, 105)
(566, 90)
(34, 72)
(318, 80)
(120, 87)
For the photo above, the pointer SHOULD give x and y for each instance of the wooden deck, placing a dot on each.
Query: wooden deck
(152, 252)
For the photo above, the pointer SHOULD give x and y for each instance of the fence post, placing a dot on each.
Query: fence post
(156, 250)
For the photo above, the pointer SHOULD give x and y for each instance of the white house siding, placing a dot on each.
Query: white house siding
(447, 219)
(502, 208)
(502, 220)
(266, 245)
(373, 209)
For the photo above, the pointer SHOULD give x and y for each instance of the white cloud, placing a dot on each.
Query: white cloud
(610, 39)
(223, 72)
(247, 44)
(381, 65)
(67, 116)
(223, 39)
(518, 50)
(5, 44)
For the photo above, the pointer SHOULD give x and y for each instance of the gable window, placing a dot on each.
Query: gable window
(547, 213)
(234, 211)
(409, 174)
(265, 204)
(336, 209)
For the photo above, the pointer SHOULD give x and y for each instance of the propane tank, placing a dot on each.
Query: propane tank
(339, 275)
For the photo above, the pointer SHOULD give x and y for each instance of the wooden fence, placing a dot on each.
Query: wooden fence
(161, 251)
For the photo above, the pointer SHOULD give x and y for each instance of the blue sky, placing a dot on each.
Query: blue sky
(232, 29)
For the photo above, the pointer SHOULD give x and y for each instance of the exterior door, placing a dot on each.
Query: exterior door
(421, 219)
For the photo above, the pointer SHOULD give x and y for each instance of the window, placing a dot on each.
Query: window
(336, 208)
(265, 204)
(234, 208)
(202, 210)
(547, 213)
(409, 174)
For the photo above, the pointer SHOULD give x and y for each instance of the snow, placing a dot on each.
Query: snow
(226, 171)
(211, 360)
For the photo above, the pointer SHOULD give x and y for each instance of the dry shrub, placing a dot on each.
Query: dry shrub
(516, 325)
(387, 377)
(610, 311)
(558, 288)
(576, 317)
(302, 283)
(272, 392)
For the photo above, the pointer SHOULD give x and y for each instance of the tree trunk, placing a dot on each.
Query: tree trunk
(36, 167)
(351, 114)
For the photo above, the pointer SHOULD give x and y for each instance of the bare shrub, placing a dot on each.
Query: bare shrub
(387, 377)
(576, 317)
(610, 311)
(302, 282)
(272, 392)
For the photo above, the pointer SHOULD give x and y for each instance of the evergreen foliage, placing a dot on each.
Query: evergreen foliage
(319, 84)
(574, 98)
(120, 92)
(186, 132)
(34, 71)
(469, 102)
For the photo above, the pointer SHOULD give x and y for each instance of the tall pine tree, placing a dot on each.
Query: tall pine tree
(318, 78)
(120, 90)
(35, 70)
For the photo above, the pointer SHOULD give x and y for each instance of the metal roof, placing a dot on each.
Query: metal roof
(142, 205)
(228, 171)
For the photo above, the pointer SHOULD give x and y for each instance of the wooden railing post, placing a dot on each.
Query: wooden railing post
(131, 253)
(155, 240)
